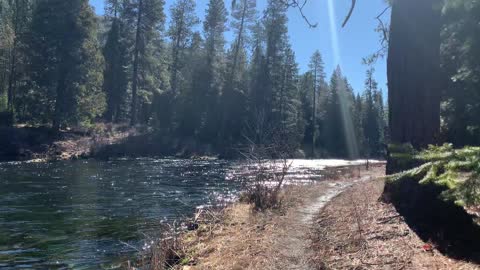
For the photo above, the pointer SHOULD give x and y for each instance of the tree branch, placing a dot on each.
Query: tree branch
(300, 5)
(350, 12)
(382, 25)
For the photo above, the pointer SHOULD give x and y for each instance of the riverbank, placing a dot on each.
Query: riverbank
(39, 144)
(338, 223)
(103, 141)
(238, 237)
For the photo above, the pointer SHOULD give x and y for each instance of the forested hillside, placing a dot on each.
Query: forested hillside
(64, 67)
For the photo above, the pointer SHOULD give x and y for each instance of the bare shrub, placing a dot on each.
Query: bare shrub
(264, 181)
(266, 155)
(171, 251)
(158, 254)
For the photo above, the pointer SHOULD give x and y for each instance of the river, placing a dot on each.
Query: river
(91, 214)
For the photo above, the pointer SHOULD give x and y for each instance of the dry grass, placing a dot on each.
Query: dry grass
(160, 253)
(353, 231)
(262, 197)
(243, 238)
(357, 231)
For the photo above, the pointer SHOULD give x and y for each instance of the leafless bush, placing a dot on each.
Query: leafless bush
(209, 219)
(160, 253)
(170, 251)
(266, 177)
(266, 154)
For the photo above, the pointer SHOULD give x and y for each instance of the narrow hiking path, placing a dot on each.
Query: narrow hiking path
(270, 240)
(292, 247)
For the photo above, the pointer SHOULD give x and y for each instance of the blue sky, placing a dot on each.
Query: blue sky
(357, 40)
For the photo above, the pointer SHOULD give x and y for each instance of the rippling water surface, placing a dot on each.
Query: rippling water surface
(91, 214)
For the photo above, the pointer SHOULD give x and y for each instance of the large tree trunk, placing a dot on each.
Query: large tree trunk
(414, 73)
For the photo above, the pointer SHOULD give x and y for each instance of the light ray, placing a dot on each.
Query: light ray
(334, 33)
(343, 94)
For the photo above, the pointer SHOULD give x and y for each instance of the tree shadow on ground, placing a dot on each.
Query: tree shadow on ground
(444, 224)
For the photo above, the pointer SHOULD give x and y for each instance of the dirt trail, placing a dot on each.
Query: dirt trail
(269, 240)
(293, 241)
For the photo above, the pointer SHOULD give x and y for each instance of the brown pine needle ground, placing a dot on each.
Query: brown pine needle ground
(357, 231)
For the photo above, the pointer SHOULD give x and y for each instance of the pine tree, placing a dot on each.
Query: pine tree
(234, 95)
(339, 131)
(382, 125)
(357, 116)
(233, 100)
(214, 27)
(146, 18)
(333, 131)
(244, 15)
(183, 19)
(317, 69)
(117, 62)
(460, 68)
(256, 70)
(306, 83)
(275, 24)
(413, 72)
(370, 121)
(66, 63)
(5, 47)
(189, 108)
(348, 111)
(288, 102)
(14, 25)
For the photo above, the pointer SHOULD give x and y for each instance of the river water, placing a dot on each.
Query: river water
(92, 214)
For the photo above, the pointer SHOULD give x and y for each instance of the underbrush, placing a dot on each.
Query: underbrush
(262, 197)
(171, 251)
(162, 254)
(159, 253)
(268, 167)
(456, 171)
